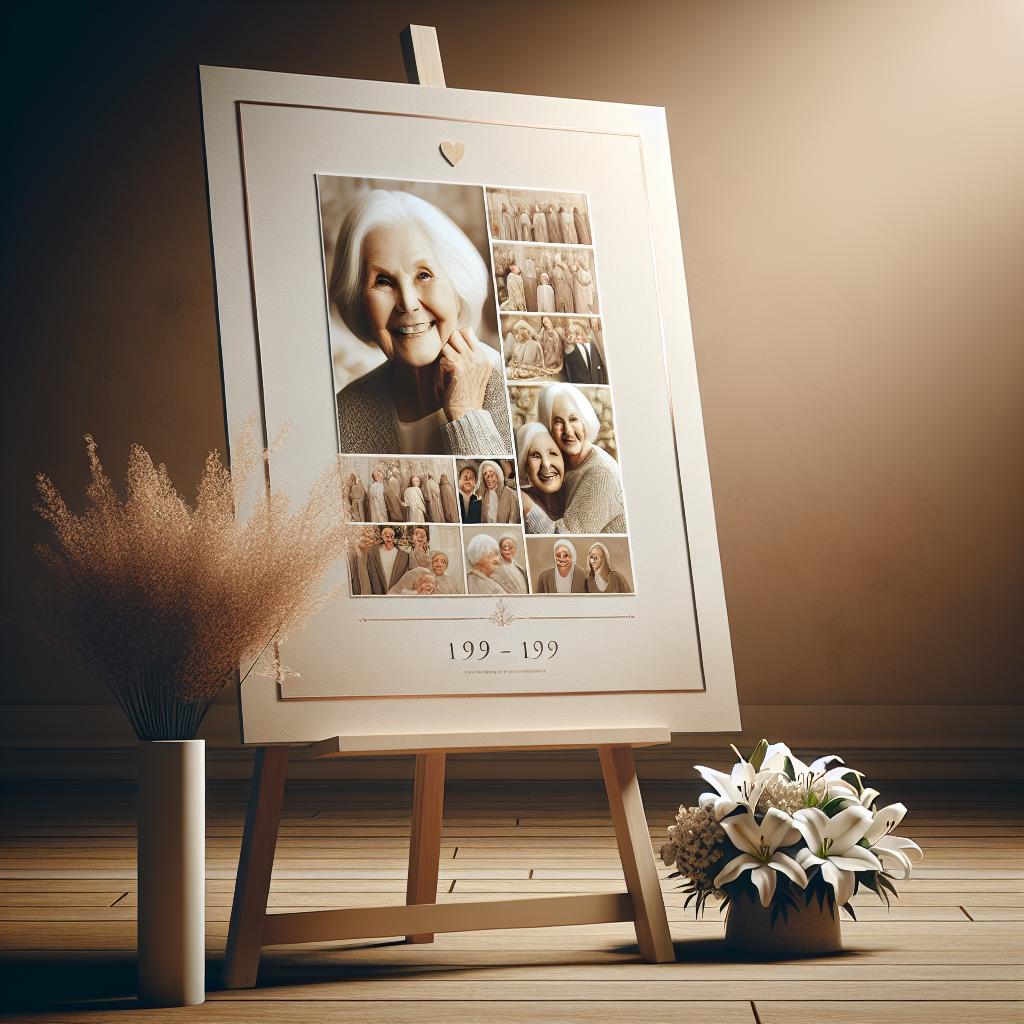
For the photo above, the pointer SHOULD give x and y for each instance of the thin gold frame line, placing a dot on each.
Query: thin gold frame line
(441, 117)
(460, 696)
(487, 618)
(654, 261)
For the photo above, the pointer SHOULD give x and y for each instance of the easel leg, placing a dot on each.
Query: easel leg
(637, 857)
(252, 884)
(425, 837)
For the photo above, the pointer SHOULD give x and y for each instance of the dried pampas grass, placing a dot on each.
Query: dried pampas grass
(161, 602)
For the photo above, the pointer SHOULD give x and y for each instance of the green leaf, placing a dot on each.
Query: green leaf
(849, 910)
(787, 767)
(835, 805)
(757, 757)
(854, 780)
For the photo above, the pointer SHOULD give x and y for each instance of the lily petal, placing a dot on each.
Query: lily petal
(848, 827)
(813, 825)
(788, 866)
(764, 878)
(806, 859)
(857, 859)
(841, 881)
(884, 822)
(721, 781)
(779, 829)
(735, 868)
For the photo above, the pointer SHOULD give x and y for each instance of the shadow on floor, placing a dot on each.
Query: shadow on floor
(55, 986)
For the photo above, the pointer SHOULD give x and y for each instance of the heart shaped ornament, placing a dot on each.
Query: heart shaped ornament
(453, 152)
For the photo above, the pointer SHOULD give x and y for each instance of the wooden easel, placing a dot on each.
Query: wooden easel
(252, 927)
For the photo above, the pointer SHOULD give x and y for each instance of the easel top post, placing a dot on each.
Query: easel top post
(422, 56)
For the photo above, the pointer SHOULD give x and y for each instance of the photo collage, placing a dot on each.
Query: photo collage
(476, 421)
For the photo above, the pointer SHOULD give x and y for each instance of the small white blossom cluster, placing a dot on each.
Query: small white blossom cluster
(786, 796)
(693, 847)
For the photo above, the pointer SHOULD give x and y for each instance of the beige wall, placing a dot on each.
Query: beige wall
(849, 180)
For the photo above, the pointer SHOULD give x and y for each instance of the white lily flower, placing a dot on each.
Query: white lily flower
(743, 786)
(760, 845)
(816, 776)
(832, 845)
(868, 797)
(889, 847)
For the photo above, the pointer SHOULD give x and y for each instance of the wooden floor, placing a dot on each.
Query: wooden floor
(951, 950)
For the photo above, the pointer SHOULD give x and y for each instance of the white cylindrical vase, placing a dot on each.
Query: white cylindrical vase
(172, 872)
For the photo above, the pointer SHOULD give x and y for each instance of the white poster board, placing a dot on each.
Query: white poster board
(289, 158)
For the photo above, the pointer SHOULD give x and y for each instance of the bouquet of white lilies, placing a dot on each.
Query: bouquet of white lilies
(792, 831)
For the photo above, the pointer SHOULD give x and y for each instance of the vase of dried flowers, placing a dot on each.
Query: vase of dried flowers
(172, 870)
(162, 603)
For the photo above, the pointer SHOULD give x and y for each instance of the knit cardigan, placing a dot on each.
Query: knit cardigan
(368, 423)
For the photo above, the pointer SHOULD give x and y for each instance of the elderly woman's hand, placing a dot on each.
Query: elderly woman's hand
(465, 371)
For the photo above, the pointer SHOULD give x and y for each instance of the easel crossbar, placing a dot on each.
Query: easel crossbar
(381, 922)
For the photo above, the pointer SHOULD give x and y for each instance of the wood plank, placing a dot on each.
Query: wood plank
(635, 853)
(248, 908)
(321, 926)
(425, 834)
(952, 1010)
(397, 1012)
(465, 742)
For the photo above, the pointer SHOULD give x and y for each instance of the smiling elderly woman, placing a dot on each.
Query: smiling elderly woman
(406, 279)
(592, 489)
(565, 577)
(484, 558)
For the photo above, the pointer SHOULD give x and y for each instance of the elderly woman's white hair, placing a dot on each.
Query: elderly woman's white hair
(482, 486)
(482, 545)
(457, 257)
(548, 394)
(524, 438)
(562, 543)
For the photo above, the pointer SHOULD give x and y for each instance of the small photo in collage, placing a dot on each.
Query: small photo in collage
(525, 215)
(555, 348)
(488, 490)
(405, 560)
(496, 560)
(476, 420)
(580, 565)
(530, 279)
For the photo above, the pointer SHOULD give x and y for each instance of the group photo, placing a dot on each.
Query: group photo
(556, 348)
(396, 560)
(414, 341)
(524, 215)
(534, 280)
(568, 459)
(488, 490)
(392, 489)
(495, 560)
(580, 565)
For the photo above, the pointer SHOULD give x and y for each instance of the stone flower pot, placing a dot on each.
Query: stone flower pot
(812, 930)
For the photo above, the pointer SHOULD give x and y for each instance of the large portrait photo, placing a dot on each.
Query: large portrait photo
(417, 360)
